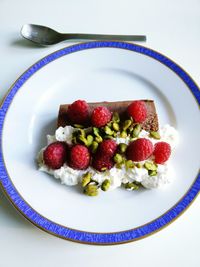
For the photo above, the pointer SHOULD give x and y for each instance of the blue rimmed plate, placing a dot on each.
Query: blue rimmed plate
(97, 71)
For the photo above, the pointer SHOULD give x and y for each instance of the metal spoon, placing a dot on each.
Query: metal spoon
(46, 36)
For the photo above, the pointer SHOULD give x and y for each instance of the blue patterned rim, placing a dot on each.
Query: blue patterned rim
(76, 235)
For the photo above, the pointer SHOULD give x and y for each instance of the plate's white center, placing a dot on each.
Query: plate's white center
(98, 75)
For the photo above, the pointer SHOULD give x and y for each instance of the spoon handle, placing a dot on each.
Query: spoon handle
(101, 37)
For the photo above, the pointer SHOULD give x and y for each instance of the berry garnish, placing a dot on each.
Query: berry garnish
(55, 155)
(79, 157)
(137, 110)
(102, 162)
(78, 112)
(139, 150)
(162, 152)
(108, 147)
(100, 116)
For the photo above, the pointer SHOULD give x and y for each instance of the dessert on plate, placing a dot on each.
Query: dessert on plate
(105, 145)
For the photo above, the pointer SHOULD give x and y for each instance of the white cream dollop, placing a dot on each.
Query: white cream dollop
(64, 134)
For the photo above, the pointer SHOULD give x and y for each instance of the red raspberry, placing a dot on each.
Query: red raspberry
(79, 157)
(101, 116)
(102, 162)
(139, 149)
(108, 148)
(78, 112)
(138, 111)
(162, 152)
(55, 155)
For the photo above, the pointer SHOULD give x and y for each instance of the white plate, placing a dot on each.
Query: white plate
(98, 71)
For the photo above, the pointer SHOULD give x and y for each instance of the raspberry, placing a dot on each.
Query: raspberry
(108, 148)
(102, 162)
(139, 149)
(78, 112)
(55, 155)
(101, 116)
(137, 110)
(162, 152)
(79, 157)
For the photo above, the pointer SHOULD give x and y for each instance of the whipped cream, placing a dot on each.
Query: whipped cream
(69, 176)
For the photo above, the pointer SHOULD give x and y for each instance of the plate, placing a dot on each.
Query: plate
(97, 71)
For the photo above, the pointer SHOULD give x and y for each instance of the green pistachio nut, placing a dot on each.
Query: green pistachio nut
(91, 190)
(105, 185)
(108, 130)
(136, 130)
(131, 186)
(139, 165)
(95, 131)
(152, 173)
(123, 134)
(126, 124)
(115, 126)
(83, 140)
(122, 147)
(90, 139)
(129, 164)
(108, 136)
(94, 146)
(155, 135)
(86, 179)
(118, 158)
(150, 166)
(98, 139)
(115, 117)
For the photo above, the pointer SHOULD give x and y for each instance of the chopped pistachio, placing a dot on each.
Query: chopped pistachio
(122, 147)
(90, 139)
(115, 117)
(86, 178)
(115, 126)
(129, 164)
(139, 165)
(136, 130)
(118, 158)
(155, 135)
(94, 146)
(103, 169)
(152, 173)
(108, 136)
(150, 166)
(108, 130)
(105, 185)
(91, 190)
(131, 186)
(114, 134)
(98, 139)
(123, 134)
(95, 131)
(126, 124)
(83, 140)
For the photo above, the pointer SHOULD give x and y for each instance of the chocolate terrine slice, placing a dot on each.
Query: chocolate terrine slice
(150, 124)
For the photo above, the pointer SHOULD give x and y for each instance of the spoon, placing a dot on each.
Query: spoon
(46, 36)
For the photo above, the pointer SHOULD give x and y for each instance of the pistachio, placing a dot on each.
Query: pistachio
(115, 117)
(150, 166)
(103, 169)
(91, 190)
(114, 134)
(131, 186)
(86, 178)
(136, 130)
(155, 135)
(118, 158)
(126, 124)
(94, 146)
(122, 147)
(78, 126)
(115, 126)
(108, 130)
(129, 164)
(83, 140)
(123, 134)
(139, 165)
(118, 165)
(98, 139)
(90, 139)
(81, 132)
(95, 131)
(152, 173)
(74, 140)
(105, 185)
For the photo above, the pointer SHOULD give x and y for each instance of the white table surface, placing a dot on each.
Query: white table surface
(172, 27)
